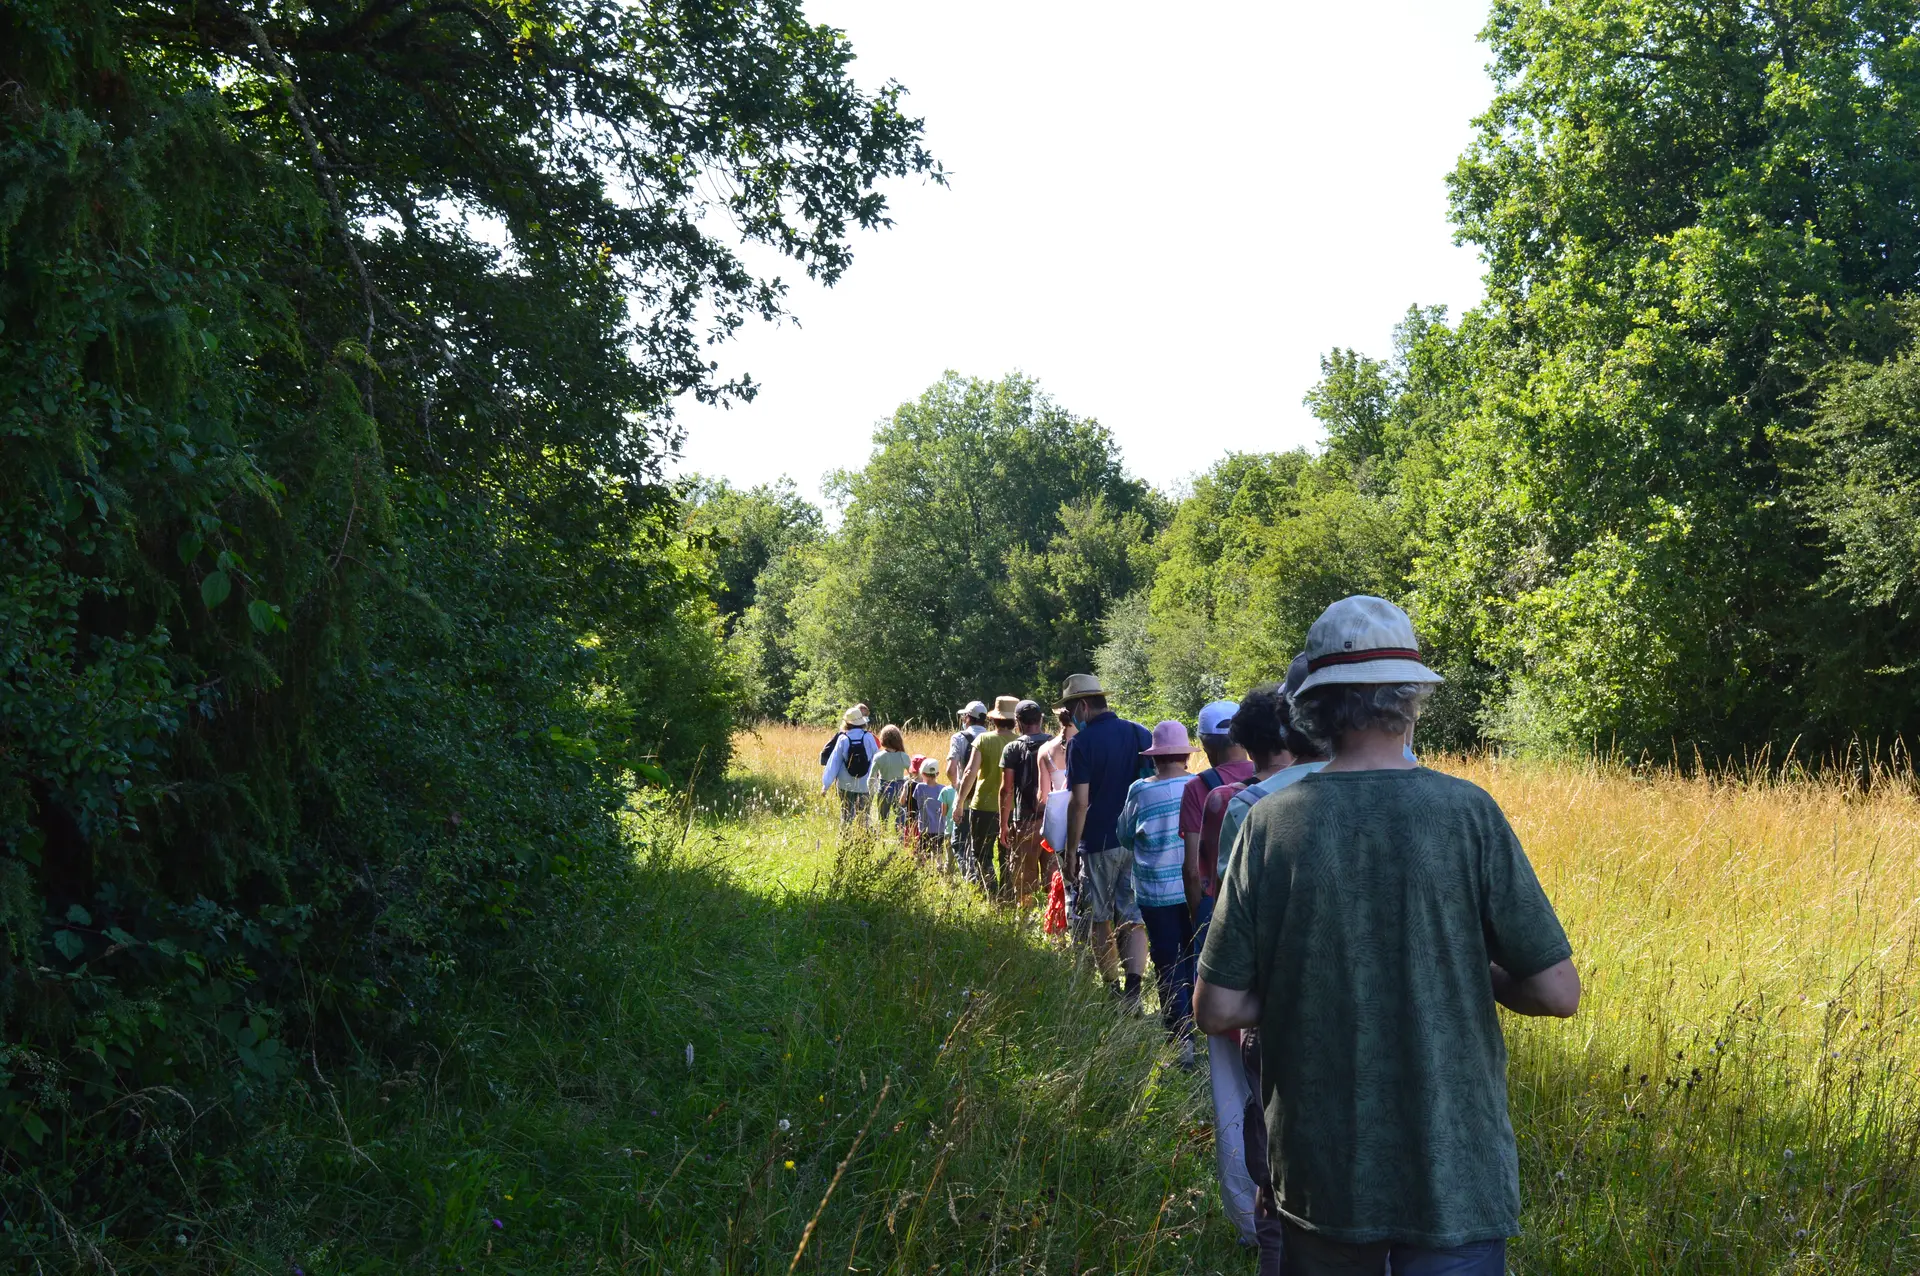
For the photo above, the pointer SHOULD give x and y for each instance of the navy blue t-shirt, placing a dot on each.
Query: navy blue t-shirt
(1105, 756)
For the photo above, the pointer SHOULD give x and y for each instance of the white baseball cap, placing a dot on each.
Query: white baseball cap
(974, 709)
(1217, 717)
(1363, 639)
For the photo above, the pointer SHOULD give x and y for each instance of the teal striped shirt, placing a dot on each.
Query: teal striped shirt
(1150, 828)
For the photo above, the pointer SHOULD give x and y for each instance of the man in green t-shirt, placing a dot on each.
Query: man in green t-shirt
(1372, 917)
(979, 788)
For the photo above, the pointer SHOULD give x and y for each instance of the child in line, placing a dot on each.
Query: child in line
(928, 809)
(890, 773)
(1150, 828)
(949, 799)
(910, 803)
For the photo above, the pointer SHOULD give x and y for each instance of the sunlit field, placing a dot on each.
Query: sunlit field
(1741, 1090)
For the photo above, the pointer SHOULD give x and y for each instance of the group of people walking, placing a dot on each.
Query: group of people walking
(1339, 921)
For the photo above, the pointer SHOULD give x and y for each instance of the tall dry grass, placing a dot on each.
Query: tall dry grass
(1741, 1091)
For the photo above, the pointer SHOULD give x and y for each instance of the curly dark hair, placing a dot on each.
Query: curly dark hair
(1260, 723)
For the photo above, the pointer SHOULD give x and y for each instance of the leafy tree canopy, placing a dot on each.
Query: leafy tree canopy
(745, 531)
(1687, 211)
(914, 606)
(337, 586)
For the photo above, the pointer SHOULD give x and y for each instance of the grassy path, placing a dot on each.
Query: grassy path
(676, 1082)
(673, 1079)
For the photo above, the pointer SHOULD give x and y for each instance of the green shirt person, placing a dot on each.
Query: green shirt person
(979, 787)
(1371, 919)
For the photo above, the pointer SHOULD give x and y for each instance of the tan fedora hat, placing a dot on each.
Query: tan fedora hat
(1005, 709)
(1079, 686)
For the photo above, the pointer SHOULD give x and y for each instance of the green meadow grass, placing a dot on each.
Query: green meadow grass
(1738, 1095)
(765, 1028)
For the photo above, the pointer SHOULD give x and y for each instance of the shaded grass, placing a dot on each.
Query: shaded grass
(614, 1096)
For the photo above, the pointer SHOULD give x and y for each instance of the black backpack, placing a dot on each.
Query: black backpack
(859, 761)
(1022, 759)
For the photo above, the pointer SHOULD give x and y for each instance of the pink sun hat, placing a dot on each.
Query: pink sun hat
(1169, 740)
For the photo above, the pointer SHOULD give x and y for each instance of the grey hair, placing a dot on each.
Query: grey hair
(1324, 714)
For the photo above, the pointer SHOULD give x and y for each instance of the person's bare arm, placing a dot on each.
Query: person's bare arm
(1190, 872)
(1219, 1010)
(1554, 992)
(963, 787)
(1006, 806)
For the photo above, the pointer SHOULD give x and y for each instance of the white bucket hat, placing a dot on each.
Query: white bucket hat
(854, 717)
(1363, 639)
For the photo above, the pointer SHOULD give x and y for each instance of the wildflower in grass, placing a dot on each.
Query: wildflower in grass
(498, 1226)
(785, 1125)
(789, 1164)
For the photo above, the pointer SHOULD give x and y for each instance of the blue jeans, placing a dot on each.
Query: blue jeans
(1307, 1254)
(1170, 944)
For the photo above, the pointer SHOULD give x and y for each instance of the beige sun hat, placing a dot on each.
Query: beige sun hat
(1079, 686)
(1363, 639)
(1004, 709)
(855, 717)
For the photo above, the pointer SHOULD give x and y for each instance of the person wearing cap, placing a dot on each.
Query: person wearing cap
(850, 764)
(1149, 828)
(973, 725)
(1022, 801)
(1372, 917)
(1227, 763)
(1103, 761)
(929, 812)
(979, 790)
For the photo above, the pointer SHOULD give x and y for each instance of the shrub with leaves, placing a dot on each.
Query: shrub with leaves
(335, 347)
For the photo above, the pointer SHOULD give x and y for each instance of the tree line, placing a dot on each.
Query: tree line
(1657, 495)
(343, 602)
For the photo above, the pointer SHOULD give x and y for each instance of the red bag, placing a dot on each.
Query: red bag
(1056, 919)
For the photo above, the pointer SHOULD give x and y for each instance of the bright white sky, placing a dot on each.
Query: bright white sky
(1164, 214)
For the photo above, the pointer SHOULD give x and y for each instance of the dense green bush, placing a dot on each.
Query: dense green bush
(340, 592)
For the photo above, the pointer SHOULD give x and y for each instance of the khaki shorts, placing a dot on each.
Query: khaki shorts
(1104, 887)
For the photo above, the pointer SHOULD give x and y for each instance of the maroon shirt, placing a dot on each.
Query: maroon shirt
(1214, 815)
(1193, 799)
